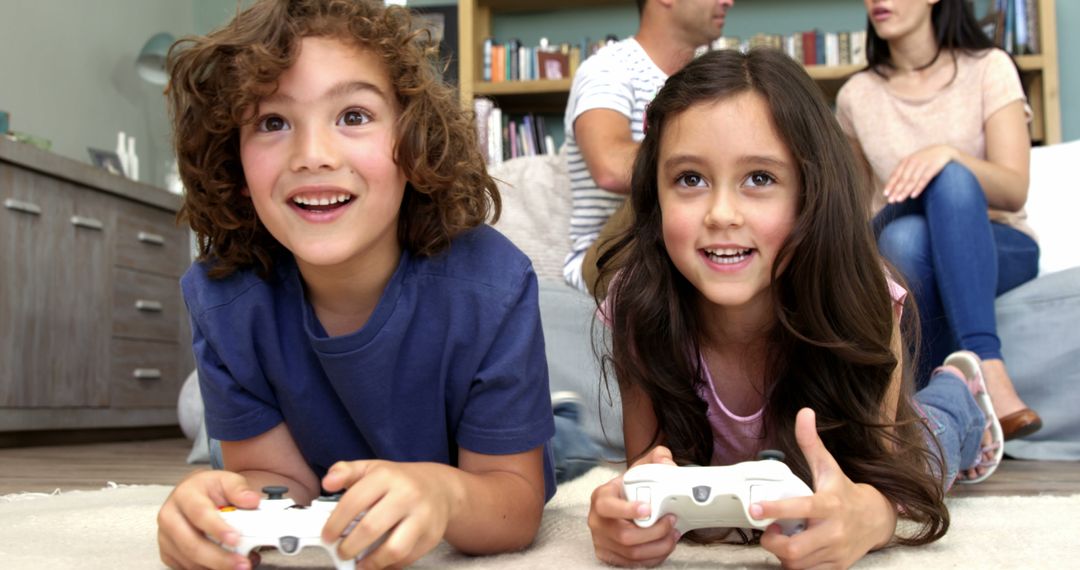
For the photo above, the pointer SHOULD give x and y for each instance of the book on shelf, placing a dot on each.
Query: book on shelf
(812, 47)
(1013, 25)
(513, 61)
(502, 137)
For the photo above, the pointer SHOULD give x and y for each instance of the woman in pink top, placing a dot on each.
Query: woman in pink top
(753, 312)
(940, 118)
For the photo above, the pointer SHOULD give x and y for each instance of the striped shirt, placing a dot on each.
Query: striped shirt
(623, 78)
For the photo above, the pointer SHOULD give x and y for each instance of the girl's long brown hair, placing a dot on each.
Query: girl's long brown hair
(218, 80)
(830, 346)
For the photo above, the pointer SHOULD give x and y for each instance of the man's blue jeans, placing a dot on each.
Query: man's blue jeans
(956, 262)
(955, 420)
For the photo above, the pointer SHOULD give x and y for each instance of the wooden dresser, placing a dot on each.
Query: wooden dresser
(93, 331)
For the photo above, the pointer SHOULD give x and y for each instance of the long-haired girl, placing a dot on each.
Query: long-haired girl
(754, 312)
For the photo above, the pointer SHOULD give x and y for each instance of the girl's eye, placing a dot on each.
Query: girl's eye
(760, 179)
(271, 123)
(690, 179)
(353, 118)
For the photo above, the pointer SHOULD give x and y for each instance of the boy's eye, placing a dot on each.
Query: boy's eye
(690, 179)
(271, 123)
(760, 179)
(353, 117)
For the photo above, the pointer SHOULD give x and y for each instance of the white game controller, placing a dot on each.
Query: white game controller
(283, 524)
(712, 497)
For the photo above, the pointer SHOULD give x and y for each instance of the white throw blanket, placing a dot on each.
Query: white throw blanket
(116, 528)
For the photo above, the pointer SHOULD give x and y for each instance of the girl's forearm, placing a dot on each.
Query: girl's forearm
(881, 513)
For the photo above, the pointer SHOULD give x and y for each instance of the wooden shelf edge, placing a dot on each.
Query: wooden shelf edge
(522, 87)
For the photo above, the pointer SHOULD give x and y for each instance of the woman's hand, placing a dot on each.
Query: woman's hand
(616, 539)
(406, 505)
(845, 520)
(915, 172)
(190, 514)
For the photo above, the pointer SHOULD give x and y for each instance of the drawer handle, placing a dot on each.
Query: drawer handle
(147, 373)
(20, 206)
(152, 239)
(88, 223)
(148, 306)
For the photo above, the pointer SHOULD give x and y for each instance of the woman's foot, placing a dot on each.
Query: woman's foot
(991, 448)
(1017, 420)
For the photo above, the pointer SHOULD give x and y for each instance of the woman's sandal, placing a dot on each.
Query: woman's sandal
(968, 363)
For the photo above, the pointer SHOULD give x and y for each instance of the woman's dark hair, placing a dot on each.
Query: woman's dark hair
(218, 80)
(955, 29)
(830, 346)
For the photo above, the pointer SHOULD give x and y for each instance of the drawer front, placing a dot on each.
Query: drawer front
(144, 374)
(148, 239)
(146, 306)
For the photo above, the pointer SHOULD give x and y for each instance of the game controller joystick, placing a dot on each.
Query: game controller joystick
(710, 497)
(281, 523)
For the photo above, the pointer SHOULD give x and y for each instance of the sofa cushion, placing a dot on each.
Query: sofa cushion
(566, 315)
(1053, 203)
(535, 194)
(1037, 324)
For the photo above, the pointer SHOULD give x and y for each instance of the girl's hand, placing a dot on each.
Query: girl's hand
(916, 171)
(190, 514)
(616, 539)
(844, 520)
(408, 503)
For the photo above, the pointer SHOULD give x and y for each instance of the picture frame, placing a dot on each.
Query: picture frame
(106, 160)
(442, 20)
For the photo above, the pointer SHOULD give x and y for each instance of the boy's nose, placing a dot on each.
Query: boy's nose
(313, 150)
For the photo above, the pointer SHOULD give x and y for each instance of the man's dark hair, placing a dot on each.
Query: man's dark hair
(640, 7)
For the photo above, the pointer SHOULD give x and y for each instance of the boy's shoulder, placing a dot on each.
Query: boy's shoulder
(203, 292)
(480, 256)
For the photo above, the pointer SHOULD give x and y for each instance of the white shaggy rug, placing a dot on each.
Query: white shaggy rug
(116, 528)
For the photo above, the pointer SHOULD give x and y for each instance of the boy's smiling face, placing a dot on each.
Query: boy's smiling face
(319, 159)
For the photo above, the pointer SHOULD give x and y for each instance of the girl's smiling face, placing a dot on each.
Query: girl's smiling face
(728, 188)
(319, 158)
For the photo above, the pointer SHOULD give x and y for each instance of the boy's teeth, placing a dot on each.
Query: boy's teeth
(323, 201)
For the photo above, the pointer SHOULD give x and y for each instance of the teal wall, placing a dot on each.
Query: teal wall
(67, 74)
(746, 18)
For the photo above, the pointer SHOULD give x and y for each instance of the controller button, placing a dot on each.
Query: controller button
(288, 544)
(226, 509)
(774, 454)
(701, 493)
(275, 492)
(644, 495)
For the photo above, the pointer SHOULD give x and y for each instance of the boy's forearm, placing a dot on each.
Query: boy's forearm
(299, 493)
(492, 512)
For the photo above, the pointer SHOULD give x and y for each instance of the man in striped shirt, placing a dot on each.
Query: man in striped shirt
(604, 119)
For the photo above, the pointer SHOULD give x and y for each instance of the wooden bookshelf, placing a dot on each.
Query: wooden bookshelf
(1039, 72)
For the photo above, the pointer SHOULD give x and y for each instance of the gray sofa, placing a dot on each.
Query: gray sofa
(1037, 322)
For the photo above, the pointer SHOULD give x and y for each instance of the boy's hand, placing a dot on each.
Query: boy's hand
(190, 514)
(616, 539)
(845, 520)
(409, 503)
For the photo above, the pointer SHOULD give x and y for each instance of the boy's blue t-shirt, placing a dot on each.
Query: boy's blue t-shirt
(453, 355)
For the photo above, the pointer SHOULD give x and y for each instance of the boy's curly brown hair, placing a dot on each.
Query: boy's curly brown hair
(217, 81)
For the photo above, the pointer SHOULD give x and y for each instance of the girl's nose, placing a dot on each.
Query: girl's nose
(724, 210)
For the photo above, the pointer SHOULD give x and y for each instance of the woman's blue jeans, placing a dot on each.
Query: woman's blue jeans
(956, 262)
